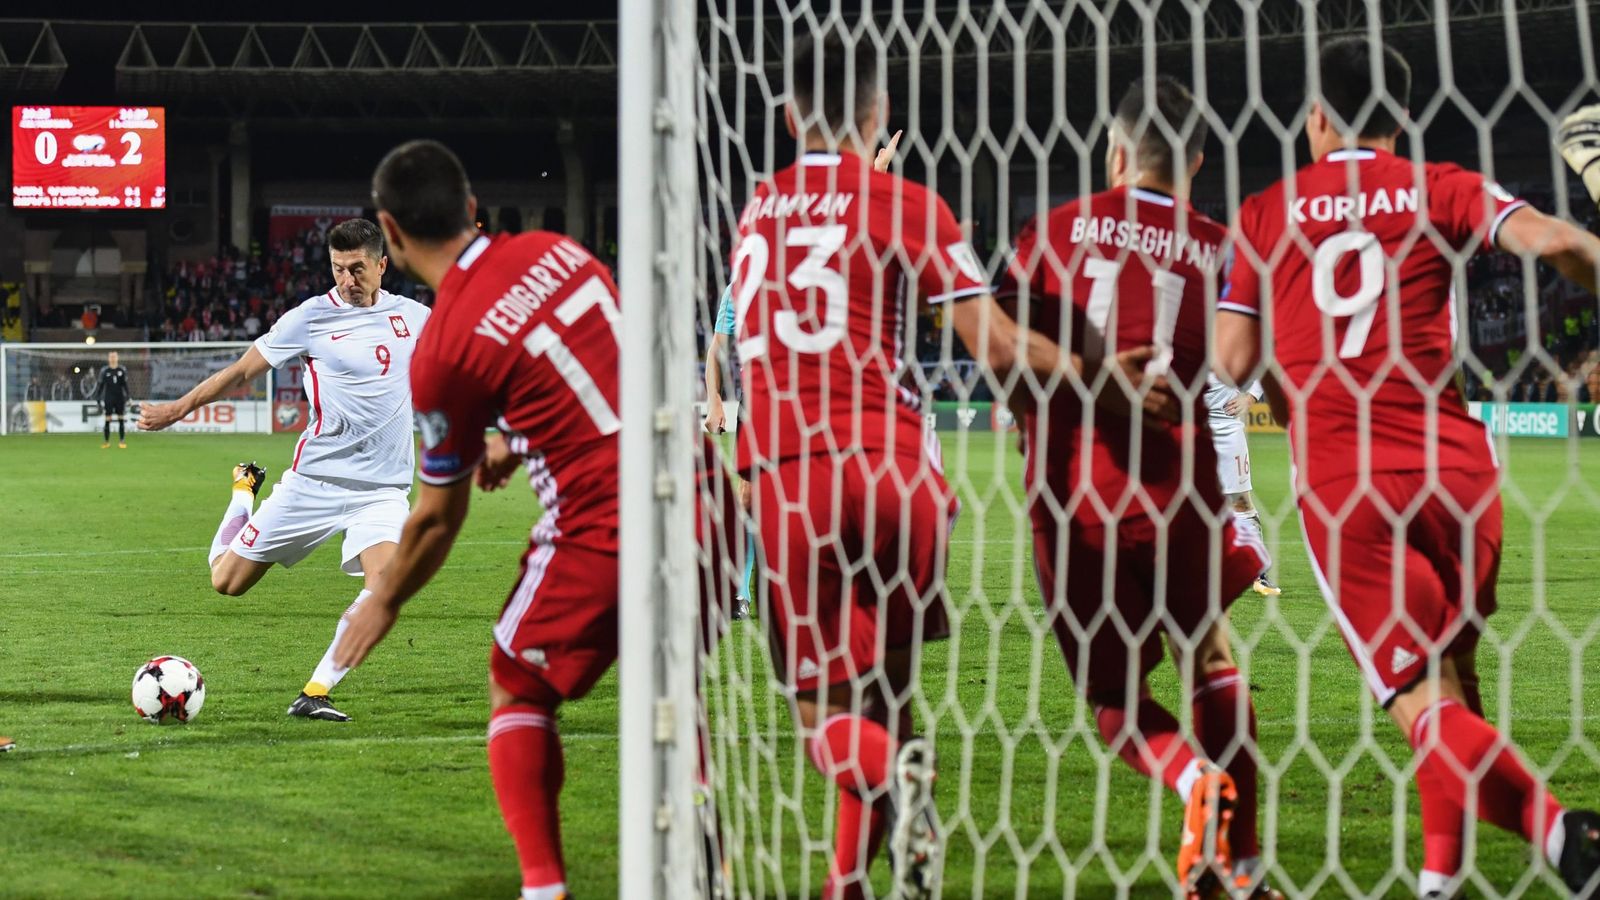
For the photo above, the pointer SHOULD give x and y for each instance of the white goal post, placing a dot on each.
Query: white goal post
(50, 387)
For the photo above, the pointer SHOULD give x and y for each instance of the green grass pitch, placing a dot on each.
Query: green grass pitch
(103, 562)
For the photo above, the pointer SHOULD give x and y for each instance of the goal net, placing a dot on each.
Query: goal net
(1006, 109)
(51, 388)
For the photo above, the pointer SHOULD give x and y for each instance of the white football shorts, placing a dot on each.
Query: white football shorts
(1233, 454)
(301, 513)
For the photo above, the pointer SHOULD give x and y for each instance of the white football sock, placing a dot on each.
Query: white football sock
(557, 891)
(237, 516)
(1186, 779)
(327, 675)
(1556, 840)
(1429, 882)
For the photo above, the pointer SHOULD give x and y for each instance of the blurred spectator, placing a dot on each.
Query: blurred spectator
(234, 297)
(91, 318)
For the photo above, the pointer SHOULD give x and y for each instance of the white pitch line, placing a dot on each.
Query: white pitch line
(598, 737)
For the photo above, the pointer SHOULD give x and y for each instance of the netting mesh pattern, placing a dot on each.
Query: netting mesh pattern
(1006, 109)
(161, 372)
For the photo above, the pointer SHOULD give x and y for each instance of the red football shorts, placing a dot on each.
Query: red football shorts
(855, 548)
(1396, 605)
(558, 629)
(1111, 605)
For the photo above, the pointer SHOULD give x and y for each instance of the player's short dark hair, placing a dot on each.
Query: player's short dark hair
(1345, 67)
(1175, 107)
(357, 234)
(422, 184)
(826, 65)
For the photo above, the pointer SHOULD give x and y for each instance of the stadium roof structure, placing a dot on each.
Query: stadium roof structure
(517, 72)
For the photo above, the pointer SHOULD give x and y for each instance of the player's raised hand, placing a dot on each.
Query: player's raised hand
(1579, 140)
(881, 162)
(716, 418)
(372, 620)
(498, 465)
(156, 416)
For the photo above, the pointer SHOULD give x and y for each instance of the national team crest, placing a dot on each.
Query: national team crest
(249, 535)
(398, 323)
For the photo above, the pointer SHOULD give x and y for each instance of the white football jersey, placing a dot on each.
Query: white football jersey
(358, 385)
(1219, 395)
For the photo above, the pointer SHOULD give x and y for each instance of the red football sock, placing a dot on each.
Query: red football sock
(526, 763)
(1507, 793)
(1221, 707)
(1443, 823)
(1162, 748)
(854, 753)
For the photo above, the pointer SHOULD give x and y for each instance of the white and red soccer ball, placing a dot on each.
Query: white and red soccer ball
(168, 689)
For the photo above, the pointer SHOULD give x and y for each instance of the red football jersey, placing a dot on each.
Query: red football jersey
(827, 252)
(1359, 245)
(523, 336)
(1118, 270)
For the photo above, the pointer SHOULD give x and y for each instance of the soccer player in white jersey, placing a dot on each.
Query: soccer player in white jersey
(1226, 405)
(352, 468)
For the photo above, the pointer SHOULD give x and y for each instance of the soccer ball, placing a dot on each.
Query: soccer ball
(168, 689)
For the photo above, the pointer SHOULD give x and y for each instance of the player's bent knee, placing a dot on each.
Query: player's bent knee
(534, 692)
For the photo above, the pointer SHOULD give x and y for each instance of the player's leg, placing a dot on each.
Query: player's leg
(372, 522)
(122, 429)
(910, 515)
(1224, 715)
(232, 573)
(105, 433)
(1225, 726)
(1472, 763)
(1463, 761)
(528, 768)
(818, 632)
(747, 584)
(1075, 572)
(555, 638)
(1233, 470)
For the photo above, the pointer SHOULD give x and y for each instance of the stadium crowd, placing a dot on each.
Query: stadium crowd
(240, 296)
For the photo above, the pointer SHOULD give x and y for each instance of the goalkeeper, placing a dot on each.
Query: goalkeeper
(1579, 140)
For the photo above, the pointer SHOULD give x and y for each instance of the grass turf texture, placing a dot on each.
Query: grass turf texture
(103, 554)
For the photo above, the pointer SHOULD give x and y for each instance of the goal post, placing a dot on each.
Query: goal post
(50, 387)
(661, 851)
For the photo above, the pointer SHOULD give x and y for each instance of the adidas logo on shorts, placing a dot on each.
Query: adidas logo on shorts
(1403, 659)
(808, 669)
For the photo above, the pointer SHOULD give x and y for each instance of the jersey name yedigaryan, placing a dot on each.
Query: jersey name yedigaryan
(357, 362)
(526, 340)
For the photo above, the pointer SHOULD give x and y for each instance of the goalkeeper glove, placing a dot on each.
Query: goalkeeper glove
(1579, 140)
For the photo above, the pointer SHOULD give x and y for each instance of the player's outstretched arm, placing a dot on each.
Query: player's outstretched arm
(1000, 344)
(716, 418)
(425, 543)
(1238, 347)
(249, 367)
(1568, 249)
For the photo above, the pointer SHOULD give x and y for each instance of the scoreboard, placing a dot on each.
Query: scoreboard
(88, 157)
